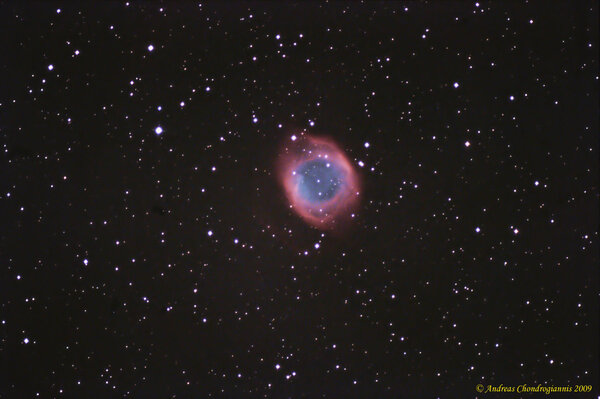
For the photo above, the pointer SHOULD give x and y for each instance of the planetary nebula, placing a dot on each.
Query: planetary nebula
(319, 181)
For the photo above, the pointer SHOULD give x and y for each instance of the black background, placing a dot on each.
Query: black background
(415, 300)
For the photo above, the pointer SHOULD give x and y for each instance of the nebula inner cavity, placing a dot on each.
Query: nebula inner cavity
(318, 180)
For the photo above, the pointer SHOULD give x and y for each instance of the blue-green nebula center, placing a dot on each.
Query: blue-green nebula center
(319, 180)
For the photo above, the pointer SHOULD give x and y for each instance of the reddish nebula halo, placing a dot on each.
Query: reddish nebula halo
(320, 182)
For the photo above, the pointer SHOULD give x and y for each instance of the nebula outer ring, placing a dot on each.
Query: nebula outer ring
(327, 213)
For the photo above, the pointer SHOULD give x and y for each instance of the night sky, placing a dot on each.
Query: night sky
(148, 248)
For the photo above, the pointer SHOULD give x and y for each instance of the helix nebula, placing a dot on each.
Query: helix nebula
(319, 181)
